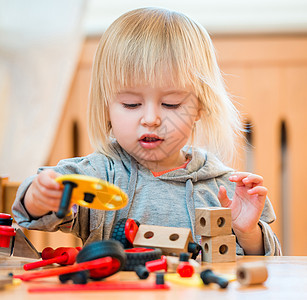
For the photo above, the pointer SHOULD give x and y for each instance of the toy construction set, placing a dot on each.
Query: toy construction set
(168, 252)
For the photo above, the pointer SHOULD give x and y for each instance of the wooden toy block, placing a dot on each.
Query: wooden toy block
(250, 273)
(213, 221)
(220, 248)
(171, 240)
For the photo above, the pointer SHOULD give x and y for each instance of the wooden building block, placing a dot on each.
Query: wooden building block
(220, 248)
(213, 221)
(171, 240)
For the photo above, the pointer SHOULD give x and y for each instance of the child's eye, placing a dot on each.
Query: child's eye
(171, 106)
(131, 106)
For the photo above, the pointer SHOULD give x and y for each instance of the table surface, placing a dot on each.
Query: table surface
(287, 279)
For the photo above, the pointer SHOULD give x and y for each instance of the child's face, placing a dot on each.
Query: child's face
(153, 123)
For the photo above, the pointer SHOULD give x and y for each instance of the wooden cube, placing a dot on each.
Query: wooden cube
(220, 248)
(213, 221)
(171, 240)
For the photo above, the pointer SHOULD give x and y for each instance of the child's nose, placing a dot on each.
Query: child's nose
(151, 117)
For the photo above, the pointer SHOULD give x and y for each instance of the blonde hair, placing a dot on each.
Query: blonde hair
(136, 48)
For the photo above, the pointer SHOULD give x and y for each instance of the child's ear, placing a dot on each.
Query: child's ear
(198, 114)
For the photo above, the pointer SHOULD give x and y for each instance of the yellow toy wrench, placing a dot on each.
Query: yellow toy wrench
(90, 192)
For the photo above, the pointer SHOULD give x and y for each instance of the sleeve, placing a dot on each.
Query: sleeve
(50, 222)
(271, 243)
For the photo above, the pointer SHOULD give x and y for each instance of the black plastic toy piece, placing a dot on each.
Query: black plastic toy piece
(80, 277)
(102, 249)
(160, 278)
(88, 197)
(184, 256)
(194, 248)
(208, 277)
(142, 272)
(65, 200)
(139, 256)
(5, 220)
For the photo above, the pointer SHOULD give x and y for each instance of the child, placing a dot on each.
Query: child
(157, 102)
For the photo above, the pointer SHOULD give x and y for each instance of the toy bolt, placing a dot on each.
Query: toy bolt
(208, 276)
(157, 265)
(62, 256)
(65, 200)
(185, 269)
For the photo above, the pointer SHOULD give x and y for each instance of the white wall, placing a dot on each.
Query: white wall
(40, 43)
(218, 16)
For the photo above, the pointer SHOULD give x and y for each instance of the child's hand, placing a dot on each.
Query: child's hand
(44, 194)
(247, 203)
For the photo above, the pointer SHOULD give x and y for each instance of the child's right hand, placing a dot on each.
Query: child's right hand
(44, 194)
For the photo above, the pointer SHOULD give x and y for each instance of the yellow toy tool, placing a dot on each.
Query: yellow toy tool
(90, 192)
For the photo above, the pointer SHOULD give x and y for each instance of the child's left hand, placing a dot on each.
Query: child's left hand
(248, 200)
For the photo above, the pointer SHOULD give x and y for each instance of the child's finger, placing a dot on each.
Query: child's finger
(260, 190)
(223, 198)
(246, 179)
(238, 177)
(46, 179)
(50, 193)
(253, 180)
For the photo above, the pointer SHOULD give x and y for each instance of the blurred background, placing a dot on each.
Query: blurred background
(46, 54)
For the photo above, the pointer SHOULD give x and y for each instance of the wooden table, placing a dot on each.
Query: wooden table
(287, 280)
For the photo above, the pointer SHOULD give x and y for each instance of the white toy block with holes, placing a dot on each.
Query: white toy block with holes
(171, 240)
(219, 249)
(213, 221)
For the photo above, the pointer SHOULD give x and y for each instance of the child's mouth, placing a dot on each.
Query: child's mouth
(150, 141)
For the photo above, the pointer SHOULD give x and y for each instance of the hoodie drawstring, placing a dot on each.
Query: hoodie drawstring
(190, 205)
(131, 190)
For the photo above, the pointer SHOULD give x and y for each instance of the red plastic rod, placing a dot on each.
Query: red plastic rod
(100, 263)
(66, 256)
(97, 286)
(157, 265)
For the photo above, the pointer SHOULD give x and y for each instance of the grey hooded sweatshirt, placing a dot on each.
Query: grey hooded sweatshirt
(167, 200)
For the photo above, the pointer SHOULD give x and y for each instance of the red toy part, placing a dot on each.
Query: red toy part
(63, 256)
(47, 253)
(137, 250)
(97, 286)
(157, 265)
(105, 264)
(131, 228)
(6, 232)
(5, 216)
(105, 272)
(185, 269)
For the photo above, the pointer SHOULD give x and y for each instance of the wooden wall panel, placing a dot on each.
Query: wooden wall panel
(269, 76)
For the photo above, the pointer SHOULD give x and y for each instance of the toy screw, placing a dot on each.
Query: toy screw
(185, 269)
(66, 196)
(208, 276)
(157, 265)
